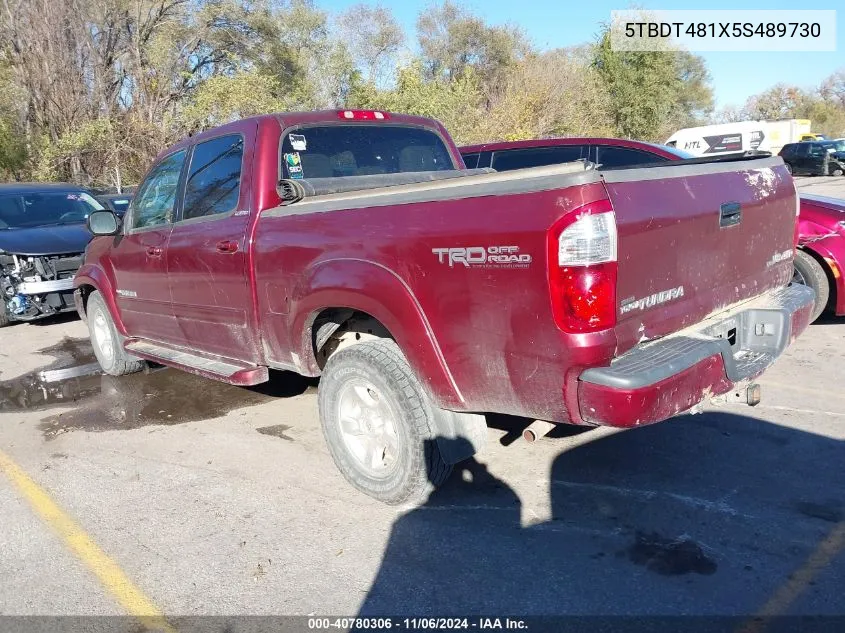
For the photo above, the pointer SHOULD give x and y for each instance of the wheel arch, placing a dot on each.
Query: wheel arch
(349, 289)
(87, 280)
(831, 266)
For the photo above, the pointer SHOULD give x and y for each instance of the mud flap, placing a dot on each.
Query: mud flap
(459, 435)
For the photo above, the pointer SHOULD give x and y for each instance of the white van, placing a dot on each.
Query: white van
(742, 136)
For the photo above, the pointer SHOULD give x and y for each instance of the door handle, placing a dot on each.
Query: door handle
(730, 214)
(154, 251)
(227, 246)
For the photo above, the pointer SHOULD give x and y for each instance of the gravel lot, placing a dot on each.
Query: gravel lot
(213, 499)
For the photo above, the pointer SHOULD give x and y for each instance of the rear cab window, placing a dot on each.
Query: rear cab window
(338, 150)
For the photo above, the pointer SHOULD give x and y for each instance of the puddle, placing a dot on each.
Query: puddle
(670, 557)
(157, 396)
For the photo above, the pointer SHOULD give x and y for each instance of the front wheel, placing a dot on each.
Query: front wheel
(835, 170)
(379, 424)
(105, 340)
(808, 271)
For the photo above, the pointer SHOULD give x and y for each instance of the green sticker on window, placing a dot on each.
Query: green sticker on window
(294, 165)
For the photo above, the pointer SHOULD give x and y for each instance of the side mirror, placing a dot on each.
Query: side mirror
(103, 223)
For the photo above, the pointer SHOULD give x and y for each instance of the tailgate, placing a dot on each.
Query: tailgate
(696, 237)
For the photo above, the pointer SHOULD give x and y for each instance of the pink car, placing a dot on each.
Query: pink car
(819, 262)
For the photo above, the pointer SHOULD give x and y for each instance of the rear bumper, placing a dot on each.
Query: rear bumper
(659, 379)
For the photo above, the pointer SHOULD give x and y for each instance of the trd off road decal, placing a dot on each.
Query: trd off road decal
(483, 257)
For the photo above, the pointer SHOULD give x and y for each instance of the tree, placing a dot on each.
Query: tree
(373, 37)
(778, 102)
(452, 40)
(652, 92)
(550, 94)
(456, 103)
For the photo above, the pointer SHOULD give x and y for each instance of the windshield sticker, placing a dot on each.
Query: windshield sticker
(294, 165)
(72, 196)
(297, 142)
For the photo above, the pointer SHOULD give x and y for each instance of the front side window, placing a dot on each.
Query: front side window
(333, 151)
(49, 208)
(505, 160)
(156, 199)
(817, 150)
(214, 180)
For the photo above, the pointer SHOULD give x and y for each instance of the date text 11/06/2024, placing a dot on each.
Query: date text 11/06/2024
(428, 624)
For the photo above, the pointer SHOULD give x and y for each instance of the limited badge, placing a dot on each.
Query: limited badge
(297, 142)
(294, 165)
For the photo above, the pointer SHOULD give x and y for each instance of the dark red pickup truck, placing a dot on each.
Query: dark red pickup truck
(354, 245)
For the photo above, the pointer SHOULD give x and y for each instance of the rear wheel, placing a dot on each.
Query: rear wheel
(807, 271)
(379, 424)
(788, 167)
(4, 316)
(108, 347)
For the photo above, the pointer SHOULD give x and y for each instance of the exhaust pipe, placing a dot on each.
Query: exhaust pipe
(535, 430)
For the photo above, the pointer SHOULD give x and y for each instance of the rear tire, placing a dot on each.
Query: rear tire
(4, 317)
(107, 343)
(788, 167)
(809, 272)
(379, 423)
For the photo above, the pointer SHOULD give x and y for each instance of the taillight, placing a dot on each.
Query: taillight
(363, 115)
(582, 269)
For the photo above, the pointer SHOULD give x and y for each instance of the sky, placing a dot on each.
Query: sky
(558, 23)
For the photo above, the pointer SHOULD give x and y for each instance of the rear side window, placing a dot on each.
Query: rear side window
(333, 151)
(625, 157)
(214, 180)
(787, 150)
(471, 160)
(505, 160)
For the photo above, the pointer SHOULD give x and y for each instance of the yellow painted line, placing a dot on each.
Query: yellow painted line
(799, 580)
(86, 550)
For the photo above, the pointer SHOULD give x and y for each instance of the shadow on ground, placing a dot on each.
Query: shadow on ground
(702, 515)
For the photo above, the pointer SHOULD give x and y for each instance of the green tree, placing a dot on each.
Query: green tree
(455, 103)
(374, 38)
(452, 40)
(652, 92)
